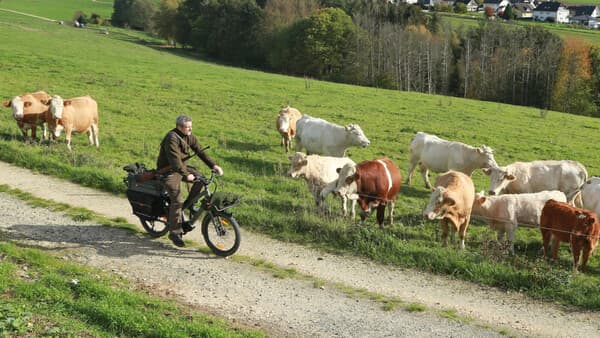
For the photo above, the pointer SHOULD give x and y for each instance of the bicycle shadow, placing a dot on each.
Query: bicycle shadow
(106, 241)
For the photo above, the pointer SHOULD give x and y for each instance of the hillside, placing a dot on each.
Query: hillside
(141, 87)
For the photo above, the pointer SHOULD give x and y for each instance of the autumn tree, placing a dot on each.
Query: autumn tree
(572, 90)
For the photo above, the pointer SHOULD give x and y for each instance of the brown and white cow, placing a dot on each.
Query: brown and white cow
(528, 177)
(451, 202)
(320, 175)
(438, 155)
(286, 125)
(565, 223)
(30, 110)
(79, 114)
(503, 213)
(377, 184)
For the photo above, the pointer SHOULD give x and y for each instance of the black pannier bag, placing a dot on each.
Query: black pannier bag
(149, 199)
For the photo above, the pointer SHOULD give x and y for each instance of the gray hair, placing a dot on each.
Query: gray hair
(182, 119)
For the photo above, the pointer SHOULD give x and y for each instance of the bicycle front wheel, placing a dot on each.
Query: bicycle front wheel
(221, 233)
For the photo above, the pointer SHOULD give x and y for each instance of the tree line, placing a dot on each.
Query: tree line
(374, 43)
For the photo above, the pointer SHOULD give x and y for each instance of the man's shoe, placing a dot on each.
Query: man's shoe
(176, 239)
(187, 227)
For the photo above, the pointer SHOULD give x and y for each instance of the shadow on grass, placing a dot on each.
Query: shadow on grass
(106, 241)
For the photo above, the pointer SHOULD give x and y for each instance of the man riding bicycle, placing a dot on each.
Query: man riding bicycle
(174, 150)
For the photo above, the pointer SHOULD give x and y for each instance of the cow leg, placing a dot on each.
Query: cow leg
(391, 205)
(380, 214)
(95, 130)
(586, 255)
(444, 224)
(411, 169)
(462, 232)
(91, 136)
(353, 206)
(546, 235)
(68, 138)
(425, 174)
(344, 199)
(576, 252)
(511, 237)
(555, 246)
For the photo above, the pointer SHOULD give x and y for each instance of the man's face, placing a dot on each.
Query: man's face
(186, 129)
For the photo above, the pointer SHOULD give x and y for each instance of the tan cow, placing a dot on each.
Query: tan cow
(79, 114)
(30, 110)
(451, 202)
(286, 125)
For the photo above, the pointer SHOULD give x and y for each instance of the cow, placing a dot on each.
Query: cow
(528, 177)
(438, 155)
(377, 184)
(562, 222)
(503, 213)
(79, 114)
(451, 202)
(30, 110)
(590, 194)
(286, 125)
(321, 137)
(320, 175)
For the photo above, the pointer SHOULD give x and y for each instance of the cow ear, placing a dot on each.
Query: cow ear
(487, 171)
(27, 104)
(291, 158)
(509, 177)
(304, 162)
(6, 104)
(45, 102)
(67, 103)
(450, 201)
(482, 199)
(338, 170)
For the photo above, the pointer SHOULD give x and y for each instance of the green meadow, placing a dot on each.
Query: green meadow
(141, 88)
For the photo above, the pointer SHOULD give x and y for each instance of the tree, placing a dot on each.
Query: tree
(323, 44)
(460, 8)
(136, 14)
(165, 20)
(508, 13)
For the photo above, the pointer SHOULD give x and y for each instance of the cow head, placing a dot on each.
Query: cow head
(346, 183)
(479, 202)
(439, 204)
(356, 135)
(499, 179)
(57, 105)
(283, 121)
(18, 106)
(487, 157)
(298, 161)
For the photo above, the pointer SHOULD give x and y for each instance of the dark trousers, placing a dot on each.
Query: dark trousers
(173, 186)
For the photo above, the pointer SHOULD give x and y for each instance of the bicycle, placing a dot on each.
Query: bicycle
(150, 202)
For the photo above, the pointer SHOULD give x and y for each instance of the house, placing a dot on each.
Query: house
(551, 11)
(524, 10)
(584, 15)
(495, 4)
(471, 4)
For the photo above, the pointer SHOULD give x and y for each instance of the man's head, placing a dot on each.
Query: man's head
(184, 124)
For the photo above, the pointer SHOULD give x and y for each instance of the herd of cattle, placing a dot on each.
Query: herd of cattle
(555, 196)
(78, 114)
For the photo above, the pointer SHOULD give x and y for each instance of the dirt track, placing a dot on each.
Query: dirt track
(281, 306)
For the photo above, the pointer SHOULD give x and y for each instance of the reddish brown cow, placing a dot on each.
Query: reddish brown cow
(377, 183)
(30, 110)
(565, 223)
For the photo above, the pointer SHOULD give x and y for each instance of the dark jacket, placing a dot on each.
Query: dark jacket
(174, 147)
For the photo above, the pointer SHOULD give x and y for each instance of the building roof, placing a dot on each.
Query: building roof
(582, 9)
(549, 6)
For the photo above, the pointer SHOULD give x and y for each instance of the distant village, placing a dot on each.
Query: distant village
(546, 11)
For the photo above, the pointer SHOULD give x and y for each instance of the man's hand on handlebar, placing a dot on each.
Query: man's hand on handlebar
(218, 170)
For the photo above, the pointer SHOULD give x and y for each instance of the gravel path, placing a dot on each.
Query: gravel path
(291, 307)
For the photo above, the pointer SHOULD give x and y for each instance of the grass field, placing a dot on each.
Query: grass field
(141, 88)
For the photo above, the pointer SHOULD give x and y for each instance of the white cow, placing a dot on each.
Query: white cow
(286, 125)
(528, 177)
(321, 176)
(321, 137)
(503, 213)
(438, 155)
(590, 194)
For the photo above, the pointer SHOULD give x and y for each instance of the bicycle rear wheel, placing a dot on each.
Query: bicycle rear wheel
(221, 233)
(155, 227)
